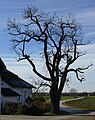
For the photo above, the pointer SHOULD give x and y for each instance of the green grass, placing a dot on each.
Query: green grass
(62, 98)
(87, 103)
(67, 97)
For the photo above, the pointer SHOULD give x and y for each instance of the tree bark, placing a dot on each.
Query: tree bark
(55, 93)
(55, 98)
(55, 107)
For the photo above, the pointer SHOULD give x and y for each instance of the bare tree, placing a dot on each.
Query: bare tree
(59, 39)
(73, 90)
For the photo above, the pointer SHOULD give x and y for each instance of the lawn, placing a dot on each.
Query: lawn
(87, 103)
(62, 98)
(67, 97)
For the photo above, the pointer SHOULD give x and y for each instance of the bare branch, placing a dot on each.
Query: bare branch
(79, 70)
(34, 68)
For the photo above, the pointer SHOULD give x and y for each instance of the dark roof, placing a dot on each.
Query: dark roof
(8, 92)
(12, 78)
(2, 65)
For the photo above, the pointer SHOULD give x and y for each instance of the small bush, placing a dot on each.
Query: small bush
(32, 110)
(36, 108)
(39, 98)
(23, 109)
(43, 106)
(9, 108)
(41, 103)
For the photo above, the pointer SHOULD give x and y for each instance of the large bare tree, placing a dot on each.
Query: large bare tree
(59, 39)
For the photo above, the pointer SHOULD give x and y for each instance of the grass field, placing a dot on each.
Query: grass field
(67, 97)
(62, 97)
(87, 103)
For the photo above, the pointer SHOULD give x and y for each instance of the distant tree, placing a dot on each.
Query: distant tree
(58, 39)
(73, 90)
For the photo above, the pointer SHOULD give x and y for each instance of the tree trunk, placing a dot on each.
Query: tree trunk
(55, 99)
(55, 94)
(55, 106)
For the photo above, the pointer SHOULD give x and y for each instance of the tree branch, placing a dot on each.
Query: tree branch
(34, 68)
(79, 70)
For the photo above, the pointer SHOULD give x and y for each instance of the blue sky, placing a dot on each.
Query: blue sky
(84, 11)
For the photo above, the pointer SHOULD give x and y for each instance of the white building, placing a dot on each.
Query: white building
(13, 88)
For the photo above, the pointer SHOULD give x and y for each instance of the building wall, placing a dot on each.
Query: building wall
(24, 92)
(9, 99)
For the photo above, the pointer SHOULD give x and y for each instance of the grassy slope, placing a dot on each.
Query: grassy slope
(87, 103)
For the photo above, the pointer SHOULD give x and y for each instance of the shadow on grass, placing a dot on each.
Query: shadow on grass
(61, 112)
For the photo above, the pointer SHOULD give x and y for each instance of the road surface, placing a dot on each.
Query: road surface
(74, 110)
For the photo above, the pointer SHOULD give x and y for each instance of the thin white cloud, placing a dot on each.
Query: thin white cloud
(90, 34)
(88, 14)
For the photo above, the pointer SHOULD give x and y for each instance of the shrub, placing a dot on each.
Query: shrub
(43, 106)
(22, 109)
(41, 103)
(9, 108)
(32, 110)
(39, 98)
(37, 107)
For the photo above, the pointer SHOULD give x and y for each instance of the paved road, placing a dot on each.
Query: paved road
(77, 111)
(62, 117)
(74, 110)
